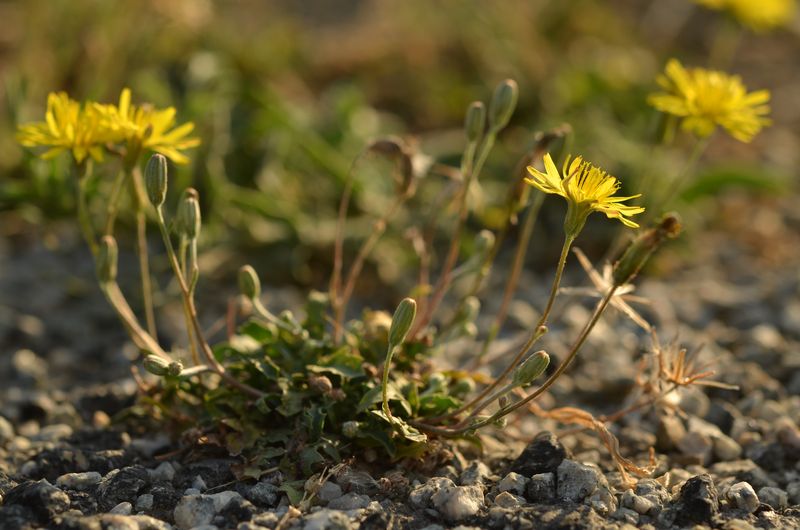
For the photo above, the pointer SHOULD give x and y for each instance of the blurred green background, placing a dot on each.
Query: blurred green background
(285, 94)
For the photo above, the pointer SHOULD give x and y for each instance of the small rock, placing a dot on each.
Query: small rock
(697, 446)
(327, 519)
(420, 496)
(264, 494)
(199, 484)
(79, 481)
(123, 508)
(743, 496)
(357, 481)
(349, 501)
(698, 499)
(163, 473)
(53, 433)
(543, 455)
(508, 500)
(329, 491)
(456, 503)
(45, 500)
(626, 515)
(775, 497)
(542, 487)
(476, 474)
(6, 431)
(513, 482)
(576, 481)
(726, 448)
(194, 510)
(144, 503)
(638, 504)
(122, 485)
(793, 490)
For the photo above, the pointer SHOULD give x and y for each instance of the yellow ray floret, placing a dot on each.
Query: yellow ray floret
(759, 15)
(705, 99)
(150, 128)
(586, 188)
(69, 126)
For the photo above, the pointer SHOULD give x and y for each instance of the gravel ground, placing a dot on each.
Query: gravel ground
(724, 458)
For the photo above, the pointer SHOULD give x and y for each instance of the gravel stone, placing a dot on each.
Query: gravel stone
(122, 485)
(743, 496)
(507, 499)
(775, 497)
(42, 498)
(699, 501)
(576, 481)
(456, 503)
(194, 510)
(264, 494)
(542, 487)
(476, 474)
(329, 491)
(6, 431)
(144, 503)
(123, 508)
(79, 481)
(543, 455)
(327, 519)
(637, 503)
(514, 483)
(163, 473)
(420, 496)
(349, 501)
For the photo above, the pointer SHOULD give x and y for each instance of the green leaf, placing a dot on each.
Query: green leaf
(374, 396)
(437, 404)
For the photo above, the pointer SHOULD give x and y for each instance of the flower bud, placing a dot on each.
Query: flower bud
(157, 365)
(402, 320)
(350, 429)
(320, 384)
(463, 387)
(484, 241)
(503, 103)
(155, 179)
(189, 214)
(474, 121)
(641, 248)
(249, 284)
(107, 259)
(472, 307)
(531, 369)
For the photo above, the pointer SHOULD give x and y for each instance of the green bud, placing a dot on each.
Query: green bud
(107, 259)
(472, 307)
(155, 179)
(641, 248)
(350, 429)
(157, 365)
(463, 387)
(531, 369)
(189, 214)
(503, 103)
(484, 241)
(402, 320)
(249, 284)
(475, 121)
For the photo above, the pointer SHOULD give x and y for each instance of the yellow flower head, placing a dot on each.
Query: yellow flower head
(759, 15)
(68, 126)
(587, 189)
(150, 128)
(705, 99)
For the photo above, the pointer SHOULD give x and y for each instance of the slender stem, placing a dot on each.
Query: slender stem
(113, 203)
(192, 310)
(385, 381)
(187, 317)
(139, 197)
(140, 337)
(84, 220)
(676, 186)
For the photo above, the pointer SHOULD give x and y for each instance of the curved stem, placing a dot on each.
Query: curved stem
(84, 220)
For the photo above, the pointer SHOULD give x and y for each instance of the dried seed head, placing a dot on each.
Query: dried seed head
(475, 121)
(531, 369)
(155, 179)
(402, 320)
(175, 368)
(189, 214)
(249, 284)
(503, 103)
(641, 248)
(107, 257)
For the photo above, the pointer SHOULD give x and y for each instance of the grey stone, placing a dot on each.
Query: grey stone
(199, 484)
(542, 487)
(263, 494)
(637, 503)
(163, 473)
(476, 474)
(420, 496)
(743, 496)
(329, 491)
(327, 519)
(793, 490)
(626, 515)
(123, 508)
(513, 482)
(542, 455)
(144, 502)
(696, 445)
(456, 503)
(194, 510)
(53, 433)
(6, 431)
(79, 481)
(775, 497)
(349, 501)
(576, 481)
(699, 501)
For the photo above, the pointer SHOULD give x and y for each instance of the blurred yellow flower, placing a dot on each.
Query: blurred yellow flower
(705, 99)
(150, 128)
(760, 15)
(68, 126)
(586, 188)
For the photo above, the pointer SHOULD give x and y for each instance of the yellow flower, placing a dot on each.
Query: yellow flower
(587, 189)
(68, 126)
(759, 15)
(706, 99)
(146, 127)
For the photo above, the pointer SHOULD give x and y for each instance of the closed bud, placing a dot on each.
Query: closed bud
(502, 402)
(320, 384)
(189, 214)
(503, 103)
(484, 241)
(641, 248)
(472, 307)
(249, 284)
(157, 365)
(155, 179)
(474, 121)
(463, 387)
(402, 320)
(531, 369)
(350, 429)
(107, 257)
